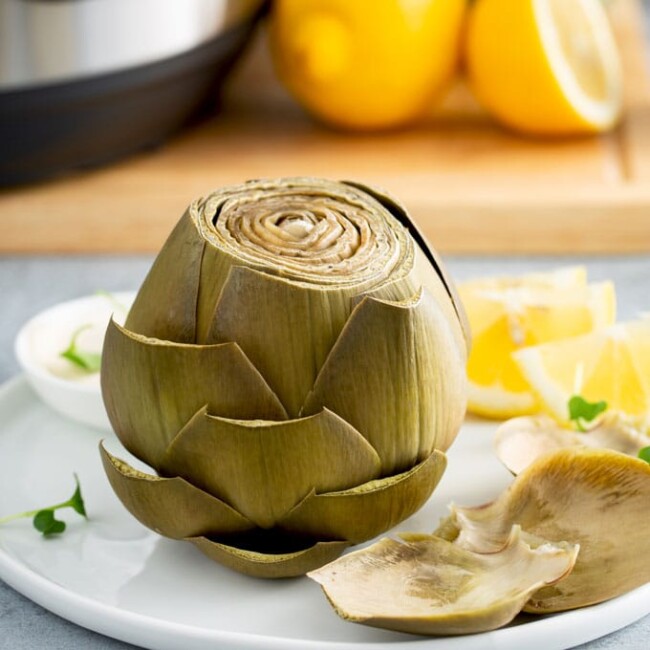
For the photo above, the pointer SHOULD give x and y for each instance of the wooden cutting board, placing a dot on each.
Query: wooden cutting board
(472, 186)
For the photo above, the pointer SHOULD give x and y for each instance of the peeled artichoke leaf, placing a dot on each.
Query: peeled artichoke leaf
(165, 307)
(596, 498)
(367, 510)
(433, 259)
(431, 586)
(617, 431)
(520, 441)
(170, 506)
(151, 388)
(401, 359)
(281, 461)
(265, 565)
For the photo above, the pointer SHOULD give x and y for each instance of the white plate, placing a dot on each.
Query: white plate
(115, 577)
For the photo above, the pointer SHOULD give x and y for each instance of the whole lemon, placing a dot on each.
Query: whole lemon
(366, 64)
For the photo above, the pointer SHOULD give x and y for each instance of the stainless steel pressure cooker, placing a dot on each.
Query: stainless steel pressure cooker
(83, 82)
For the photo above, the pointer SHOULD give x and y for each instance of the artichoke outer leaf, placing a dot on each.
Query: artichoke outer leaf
(151, 388)
(596, 498)
(215, 268)
(165, 307)
(281, 462)
(264, 565)
(285, 328)
(395, 207)
(170, 506)
(363, 512)
(427, 585)
(402, 360)
(422, 275)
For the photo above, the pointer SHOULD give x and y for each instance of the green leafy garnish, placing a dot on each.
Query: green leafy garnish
(47, 523)
(44, 519)
(582, 412)
(644, 454)
(89, 361)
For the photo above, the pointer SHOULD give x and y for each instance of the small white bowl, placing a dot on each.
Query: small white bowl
(71, 391)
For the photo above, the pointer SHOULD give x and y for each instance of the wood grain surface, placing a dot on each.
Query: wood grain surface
(472, 186)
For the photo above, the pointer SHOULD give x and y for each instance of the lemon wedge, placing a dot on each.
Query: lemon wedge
(545, 66)
(508, 314)
(611, 364)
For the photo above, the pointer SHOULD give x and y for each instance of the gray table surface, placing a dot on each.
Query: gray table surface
(30, 284)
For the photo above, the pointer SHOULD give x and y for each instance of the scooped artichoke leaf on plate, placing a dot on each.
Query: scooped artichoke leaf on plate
(520, 441)
(594, 497)
(425, 584)
(292, 369)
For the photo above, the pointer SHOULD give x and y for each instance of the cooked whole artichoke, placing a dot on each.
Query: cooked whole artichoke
(293, 369)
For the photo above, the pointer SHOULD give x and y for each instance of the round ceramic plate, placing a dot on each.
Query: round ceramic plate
(113, 576)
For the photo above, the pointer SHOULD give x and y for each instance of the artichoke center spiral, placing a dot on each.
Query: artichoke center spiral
(296, 226)
(305, 231)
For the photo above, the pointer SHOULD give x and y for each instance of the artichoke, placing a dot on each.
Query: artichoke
(293, 369)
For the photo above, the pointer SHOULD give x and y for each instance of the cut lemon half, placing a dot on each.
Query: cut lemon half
(504, 320)
(612, 364)
(545, 66)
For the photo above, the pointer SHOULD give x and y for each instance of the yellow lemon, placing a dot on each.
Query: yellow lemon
(363, 64)
(509, 314)
(611, 364)
(545, 66)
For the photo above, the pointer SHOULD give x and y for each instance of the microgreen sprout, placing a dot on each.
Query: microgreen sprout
(644, 454)
(88, 361)
(582, 412)
(44, 519)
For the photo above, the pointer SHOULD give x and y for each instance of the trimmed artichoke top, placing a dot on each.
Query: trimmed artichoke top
(303, 301)
(335, 237)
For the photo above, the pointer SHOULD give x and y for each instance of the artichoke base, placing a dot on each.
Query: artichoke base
(272, 541)
(264, 565)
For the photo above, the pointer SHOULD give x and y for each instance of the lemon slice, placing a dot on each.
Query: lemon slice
(545, 66)
(612, 364)
(506, 319)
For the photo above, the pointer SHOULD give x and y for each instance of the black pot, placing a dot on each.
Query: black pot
(69, 115)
